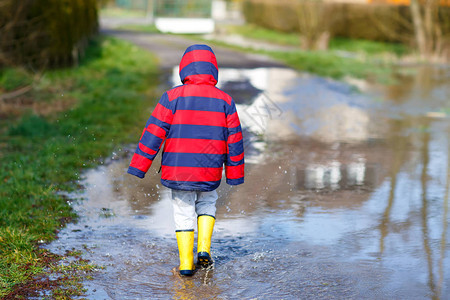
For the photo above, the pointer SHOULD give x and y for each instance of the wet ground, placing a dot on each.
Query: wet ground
(346, 197)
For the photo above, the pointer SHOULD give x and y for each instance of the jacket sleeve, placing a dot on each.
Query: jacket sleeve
(234, 164)
(152, 138)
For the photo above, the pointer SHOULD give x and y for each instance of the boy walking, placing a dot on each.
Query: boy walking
(202, 132)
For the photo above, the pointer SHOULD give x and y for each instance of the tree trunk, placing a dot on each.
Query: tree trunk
(314, 20)
(419, 29)
(149, 11)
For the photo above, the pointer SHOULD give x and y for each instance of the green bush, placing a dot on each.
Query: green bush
(11, 79)
(376, 22)
(45, 33)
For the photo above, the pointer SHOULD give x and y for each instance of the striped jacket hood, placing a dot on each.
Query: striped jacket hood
(199, 66)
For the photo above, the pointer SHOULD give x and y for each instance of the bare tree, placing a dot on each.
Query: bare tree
(419, 29)
(424, 24)
(431, 22)
(314, 20)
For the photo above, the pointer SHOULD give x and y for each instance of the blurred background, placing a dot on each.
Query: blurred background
(53, 33)
(346, 116)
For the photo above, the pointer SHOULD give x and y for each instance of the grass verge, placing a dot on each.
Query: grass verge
(262, 34)
(42, 152)
(141, 28)
(322, 63)
(360, 59)
(117, 12)
(336, 44)
(328, 64)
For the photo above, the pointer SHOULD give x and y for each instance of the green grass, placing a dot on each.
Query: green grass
(141, 28)
(336, 44)
(361, 59)
(331, 65)
(367, 47)
(323, 63)
(13, 78)
(117, 12)
(43, 155)
(259, 33)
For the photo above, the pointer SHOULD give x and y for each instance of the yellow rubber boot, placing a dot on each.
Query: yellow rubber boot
(205, 230)
(185, 240)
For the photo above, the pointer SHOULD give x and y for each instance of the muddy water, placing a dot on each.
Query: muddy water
(346, 196)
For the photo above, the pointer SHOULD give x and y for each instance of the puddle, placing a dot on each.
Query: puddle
(346, 196)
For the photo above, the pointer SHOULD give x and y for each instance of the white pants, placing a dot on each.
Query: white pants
(187, 205)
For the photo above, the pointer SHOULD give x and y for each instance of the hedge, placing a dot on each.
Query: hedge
(45, 33)
(378, 22)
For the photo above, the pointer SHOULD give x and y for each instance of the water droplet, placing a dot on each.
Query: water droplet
(258, 256)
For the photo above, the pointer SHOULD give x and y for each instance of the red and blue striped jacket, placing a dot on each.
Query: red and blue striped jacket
(200, 127)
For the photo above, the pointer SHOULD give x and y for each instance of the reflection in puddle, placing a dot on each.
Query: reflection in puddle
(335, 176)
(321, 176)
(345, 197)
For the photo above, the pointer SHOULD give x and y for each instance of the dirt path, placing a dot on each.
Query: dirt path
(170, 48)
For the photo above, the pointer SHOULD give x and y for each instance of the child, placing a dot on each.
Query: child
(201, 130)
